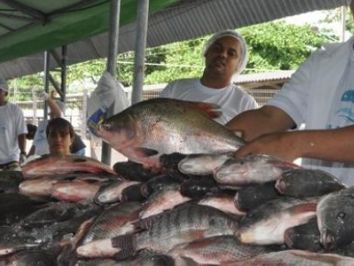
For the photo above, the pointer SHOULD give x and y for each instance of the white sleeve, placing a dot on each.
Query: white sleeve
(167, 92)
(293, 96)
(21, 127)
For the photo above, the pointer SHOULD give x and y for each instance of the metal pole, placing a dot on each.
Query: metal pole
(46, 82)
(63, 73)
(140, 44)
(111, 64)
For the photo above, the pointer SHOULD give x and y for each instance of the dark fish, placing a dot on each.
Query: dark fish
(133, 171)
(253, 169)
(30, 258)
(335, 216)
(165, 199)
(307, 183)
(171, 161)
(223, 202)
(148, 129)
(266, 224)
(9, 181)
(156, 184)
(250, 197)
(296, 257)
(196, 188)
(217, 250)
(14, 207)
(12, 241)
(113, 221)
(164, 231)
(305, 236)
(133, 193)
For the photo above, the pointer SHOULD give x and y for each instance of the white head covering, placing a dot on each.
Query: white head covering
(231, 33)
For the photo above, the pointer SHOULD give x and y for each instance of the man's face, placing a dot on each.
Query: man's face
(223, 56)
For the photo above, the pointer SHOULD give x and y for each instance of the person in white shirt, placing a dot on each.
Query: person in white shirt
(13, 132)
(225, 56)
(320, 96)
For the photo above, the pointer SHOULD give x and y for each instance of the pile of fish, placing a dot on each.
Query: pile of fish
(200, 209)
(174, 202)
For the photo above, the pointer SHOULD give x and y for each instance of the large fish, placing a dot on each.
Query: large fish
(252, 169)
(267, 223)
(184, 224)
(154, 127)
(335, 216)
(294, 257)
(307, 183)
(71, 164)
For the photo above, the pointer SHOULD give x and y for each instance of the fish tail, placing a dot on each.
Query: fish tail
(126, 244)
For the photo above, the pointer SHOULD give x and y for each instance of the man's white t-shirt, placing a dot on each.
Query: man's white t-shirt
(231, 99)
(12, 124)
(320, 95)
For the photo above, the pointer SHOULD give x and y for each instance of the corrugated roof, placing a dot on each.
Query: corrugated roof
(264, 76)
(185, 20)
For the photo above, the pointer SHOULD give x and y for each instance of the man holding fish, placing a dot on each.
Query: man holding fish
(319, 95)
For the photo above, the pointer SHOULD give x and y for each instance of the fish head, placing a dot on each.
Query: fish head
(119, 130)
(336, 225)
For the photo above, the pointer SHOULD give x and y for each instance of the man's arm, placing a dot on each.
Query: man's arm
(53, 106)
(327, 144)
(22, 143)
(254, 123)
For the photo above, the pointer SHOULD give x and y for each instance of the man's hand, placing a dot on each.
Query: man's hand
(43, 96)
(23, 158)
(280, 145)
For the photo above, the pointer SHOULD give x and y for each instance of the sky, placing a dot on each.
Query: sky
(314, 18)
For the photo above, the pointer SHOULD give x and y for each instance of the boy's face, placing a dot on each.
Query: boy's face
(59, 142)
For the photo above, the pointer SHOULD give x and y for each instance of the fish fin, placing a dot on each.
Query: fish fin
(305, 207)
(210, 109)
(145, 152)
(126, 244)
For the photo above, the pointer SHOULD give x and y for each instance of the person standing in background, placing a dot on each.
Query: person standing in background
(225, 56)
(13, 132)
(40, 143)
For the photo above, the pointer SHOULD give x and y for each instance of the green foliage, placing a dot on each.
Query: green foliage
(278, 45)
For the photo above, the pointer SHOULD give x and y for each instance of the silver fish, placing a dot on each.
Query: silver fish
(148, 129)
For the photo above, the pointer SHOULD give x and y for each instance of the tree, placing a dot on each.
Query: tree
(278, 45)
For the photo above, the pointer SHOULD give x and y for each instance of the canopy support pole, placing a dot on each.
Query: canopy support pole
(140, 44)
(46, 82)
(111, 65)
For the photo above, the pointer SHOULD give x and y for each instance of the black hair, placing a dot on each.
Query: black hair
(60, 124)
